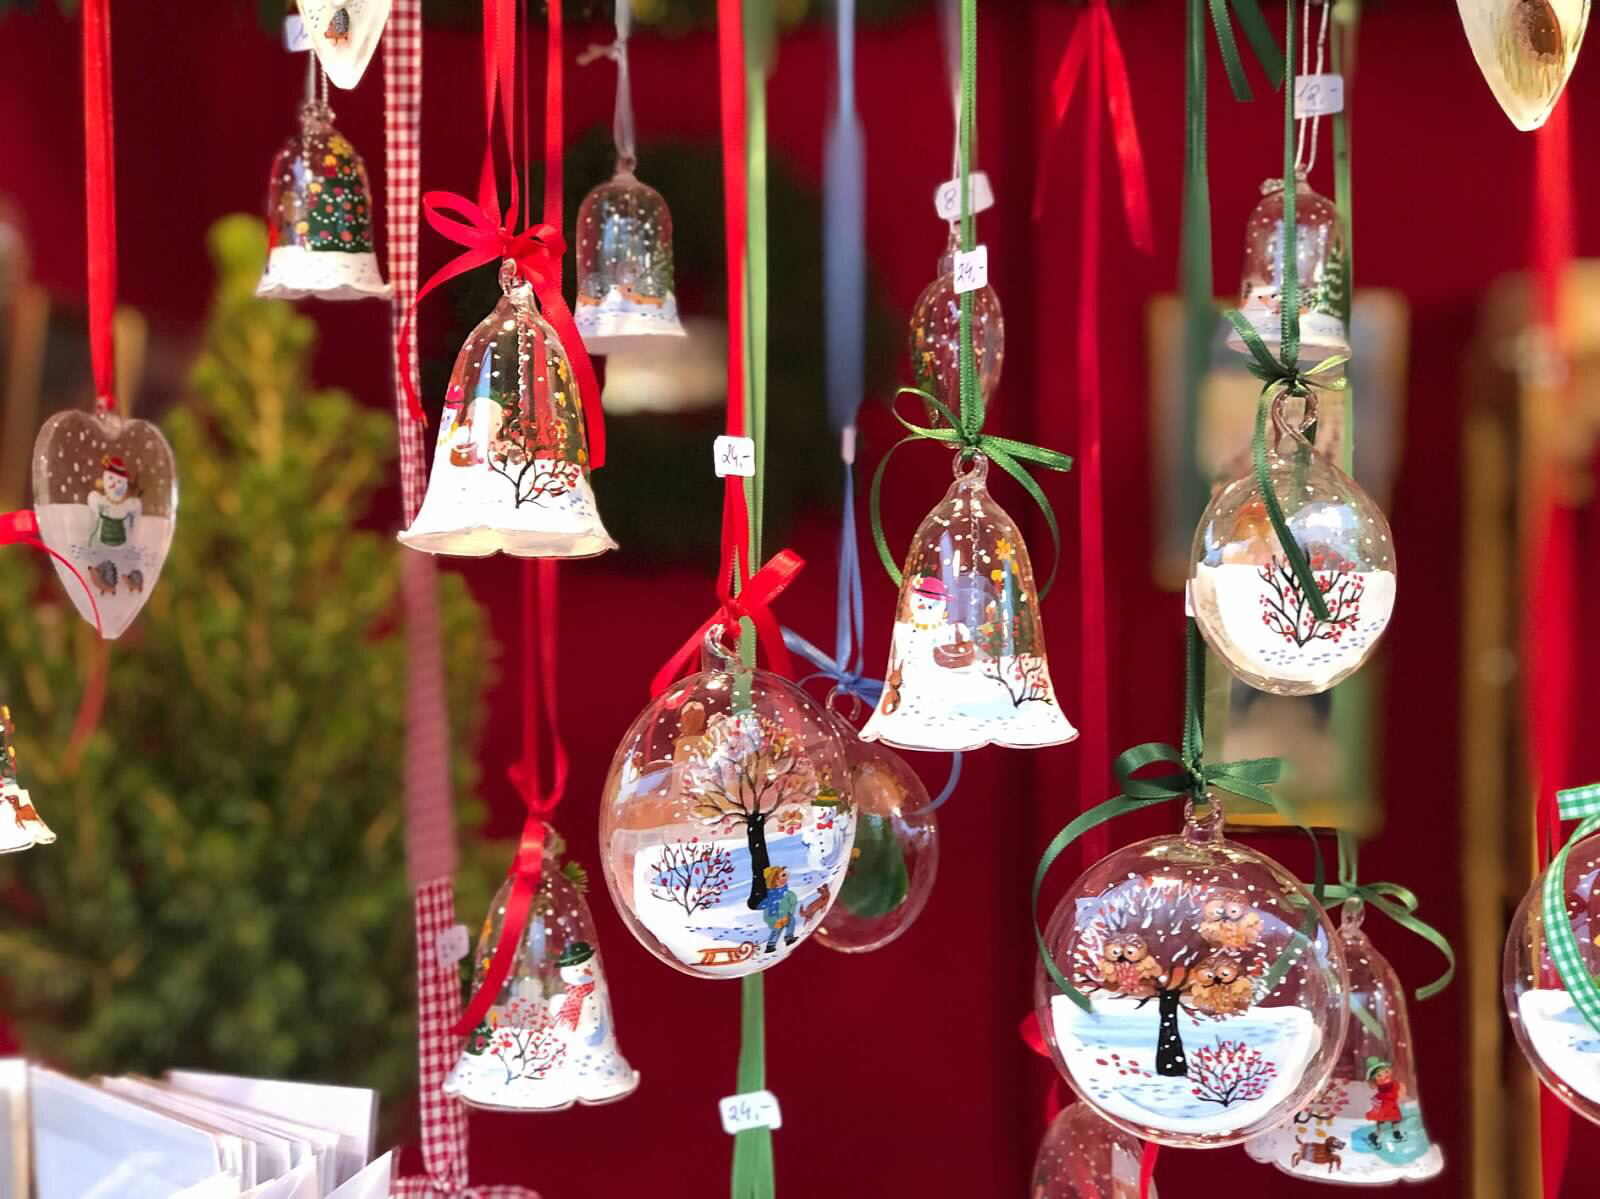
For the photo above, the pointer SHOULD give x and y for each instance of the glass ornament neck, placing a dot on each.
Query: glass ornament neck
(1350, 916)
(1203, 823)
(514, 286)
(1274, 185)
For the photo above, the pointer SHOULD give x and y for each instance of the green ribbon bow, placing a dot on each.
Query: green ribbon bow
(1575, 803)
(1399, 903)
(1005, 452)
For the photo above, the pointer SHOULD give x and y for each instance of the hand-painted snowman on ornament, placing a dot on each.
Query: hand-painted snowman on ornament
(113, 504)
(582, 1015)
(931, 637)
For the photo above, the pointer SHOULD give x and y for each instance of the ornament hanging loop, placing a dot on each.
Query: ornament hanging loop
(970, 465)
(1350, 913)
(832, 703)
(1284, 426)
(720, 653)
(1203, 819)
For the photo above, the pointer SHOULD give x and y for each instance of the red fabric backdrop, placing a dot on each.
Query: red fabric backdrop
(901, 1074)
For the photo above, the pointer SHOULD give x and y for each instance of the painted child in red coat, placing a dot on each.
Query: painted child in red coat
(1387, 1092)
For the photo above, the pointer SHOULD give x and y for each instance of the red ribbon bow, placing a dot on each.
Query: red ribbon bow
(754, 601)
(537, 252)
(1095, 34)
(22, 528)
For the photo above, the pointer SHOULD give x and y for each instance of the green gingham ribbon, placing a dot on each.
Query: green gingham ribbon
(1574, 804)
(1281, 374)
(1193, 780)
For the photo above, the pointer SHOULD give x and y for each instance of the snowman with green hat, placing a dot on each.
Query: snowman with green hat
(582, 1016)
(1387, 1094)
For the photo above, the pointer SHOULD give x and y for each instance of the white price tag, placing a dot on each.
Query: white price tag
(754, 1109)
(734, 456)
(451, 946)
(972, 269)
(295, 35)
(947, 196)
(1318, 95)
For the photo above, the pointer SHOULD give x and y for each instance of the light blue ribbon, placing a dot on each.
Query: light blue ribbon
(844, 274)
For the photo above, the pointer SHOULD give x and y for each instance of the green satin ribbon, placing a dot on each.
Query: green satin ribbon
(1005, 452)
(1194, 780)
(1399, 903)
(1259, 36)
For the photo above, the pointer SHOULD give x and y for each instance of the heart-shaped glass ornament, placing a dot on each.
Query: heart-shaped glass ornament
(105, 491)
(344, 33)
(1526, 50)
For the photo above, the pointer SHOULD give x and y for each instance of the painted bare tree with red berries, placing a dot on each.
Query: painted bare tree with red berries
(692, 874)
(526, 1042)
(1286, 609)
(1008, 641)
(1230, 1072)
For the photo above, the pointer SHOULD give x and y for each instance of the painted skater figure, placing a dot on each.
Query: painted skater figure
(778, 907)
(113, 503)
(1387, 1092)
(583, 1018)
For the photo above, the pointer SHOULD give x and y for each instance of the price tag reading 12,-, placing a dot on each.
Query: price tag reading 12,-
(972, 269)
(947, 196)
(734, 456)
(1318, 96)
(753, 1109)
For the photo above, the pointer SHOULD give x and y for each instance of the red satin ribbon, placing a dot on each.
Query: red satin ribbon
(22, 528)
(100, 170)
(1033, 1037)
(1096, 31)
(1147, 1168)
(489, 235)
(754, 601)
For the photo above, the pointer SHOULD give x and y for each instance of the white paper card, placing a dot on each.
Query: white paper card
(295, 37)
(753, 1109)
(947, 196)
(299, 1183)
(972, 269)
(734, 456)
(452, 946)
(15, 1167)
(372, 1183)
(1318, 95)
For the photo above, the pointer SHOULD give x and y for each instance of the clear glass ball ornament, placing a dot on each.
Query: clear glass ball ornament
(548, 1040)
(967, 663)
(1248, 602)
(935, 335)
(896, 854)
(1552, 1032)
(511, 463)
(726, 823)
(1083, 1157)
(319, 217)
(1216, 989)
(624, 255)
(1322, 275)
(1365, 1127)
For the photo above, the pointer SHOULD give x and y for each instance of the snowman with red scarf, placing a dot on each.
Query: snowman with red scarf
(582, 1015)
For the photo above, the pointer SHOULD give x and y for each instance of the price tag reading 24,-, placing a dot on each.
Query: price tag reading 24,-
(753, 1109)
(972, 269)
(734, 456)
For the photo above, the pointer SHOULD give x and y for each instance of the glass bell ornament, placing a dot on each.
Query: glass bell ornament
(1320, 270)
(1248, 602)
(1364, 1128)
(105, 492)
(1083, 1157)
(1198, 924)
(548, 1041)
(624, 265)
(896, 853)
(319, 217)
(935, 335)
(511, 465)
(21, 826)
(1526, 50)
(1559, 1043)
(726, 823)
(967, 662)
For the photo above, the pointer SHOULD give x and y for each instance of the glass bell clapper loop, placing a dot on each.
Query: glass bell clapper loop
(967, 664)
(548, 1041)
(1215, 1014)
(511, 464)
(1551, 1031)
(1083, 1157)
(1526, 50)
(319, 217)
(1322, 273)
(726, 822)
(105, 492)
(1247, 600)
(935, 335)
(895, 858)
(1364, 1128)
(624, 256)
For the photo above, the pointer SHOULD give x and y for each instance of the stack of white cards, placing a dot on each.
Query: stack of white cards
(187, 1136)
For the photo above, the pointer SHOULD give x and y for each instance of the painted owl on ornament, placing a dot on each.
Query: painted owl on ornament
(1229, 921)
